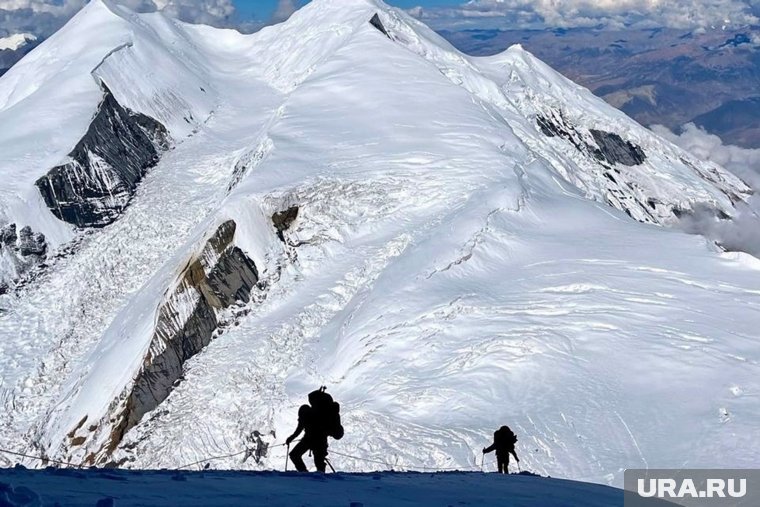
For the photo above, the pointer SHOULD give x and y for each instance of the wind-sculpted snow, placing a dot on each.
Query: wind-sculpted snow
(106, 166)
(421, 246)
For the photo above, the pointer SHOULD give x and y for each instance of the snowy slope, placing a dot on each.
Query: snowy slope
(52, 94)
(478, 241)
(75, 488)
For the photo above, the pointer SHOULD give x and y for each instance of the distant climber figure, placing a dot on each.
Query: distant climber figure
(319, 420)
(504, 440)
(257, 448)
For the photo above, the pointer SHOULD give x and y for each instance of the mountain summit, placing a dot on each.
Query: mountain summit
(199, 227)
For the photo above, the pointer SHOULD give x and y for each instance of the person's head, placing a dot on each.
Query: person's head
(314, 396)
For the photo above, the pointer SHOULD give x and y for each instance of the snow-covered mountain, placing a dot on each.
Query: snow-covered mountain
(200, 226)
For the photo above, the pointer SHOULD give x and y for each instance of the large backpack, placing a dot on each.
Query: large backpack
(326, 413)
(504, 437)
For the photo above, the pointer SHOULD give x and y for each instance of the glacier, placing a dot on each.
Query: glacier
(449, 243)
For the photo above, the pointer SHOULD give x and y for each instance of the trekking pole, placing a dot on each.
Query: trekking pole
(287, 453)
(331, 467)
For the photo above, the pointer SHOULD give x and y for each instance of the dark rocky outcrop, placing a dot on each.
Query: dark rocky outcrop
(94, 187)
(31, 244)
(557, 125)
(221, 277)
(615, 150)
(550, 128)
(8, 235)
(701, 211)
(282, 221)
(610, 147)
(25, 249)
(377, 23)
(607, 149)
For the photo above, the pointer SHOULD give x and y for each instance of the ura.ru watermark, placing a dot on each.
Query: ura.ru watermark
(692, 488)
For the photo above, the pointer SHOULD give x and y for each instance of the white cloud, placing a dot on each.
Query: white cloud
(743, 162)
(212, 12)
(611, 13)
(43, 17)
(39, 6)
(742, 232)
(16, 41)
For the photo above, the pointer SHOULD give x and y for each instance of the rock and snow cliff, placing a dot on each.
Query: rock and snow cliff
(221, 222)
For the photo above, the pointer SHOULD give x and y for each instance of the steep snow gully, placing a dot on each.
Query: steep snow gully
(448, 242)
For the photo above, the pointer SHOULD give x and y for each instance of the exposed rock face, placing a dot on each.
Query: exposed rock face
(30, 243)
(377, 23)
(558, 126)
(23, 250)
(282, 221)
(8, 235)
(607, 149)
(615, 150)
(94, 187)
(610, 147)
(222, 276)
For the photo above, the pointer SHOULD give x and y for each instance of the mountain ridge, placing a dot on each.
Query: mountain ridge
(469, 234)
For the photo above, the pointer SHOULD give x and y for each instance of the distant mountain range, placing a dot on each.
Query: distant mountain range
(657, 76)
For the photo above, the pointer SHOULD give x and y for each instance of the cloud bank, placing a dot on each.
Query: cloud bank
(592, 13)
(43, 17)
(742, 232)
(745, 163)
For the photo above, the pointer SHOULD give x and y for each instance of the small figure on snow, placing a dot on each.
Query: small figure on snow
(257, 448)
(318, 420)
(504, 440)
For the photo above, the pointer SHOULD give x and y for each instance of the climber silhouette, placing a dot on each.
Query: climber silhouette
(504, 441)
(318, 420)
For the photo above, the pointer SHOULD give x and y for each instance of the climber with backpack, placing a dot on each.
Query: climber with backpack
(504, 440)
(318, 420)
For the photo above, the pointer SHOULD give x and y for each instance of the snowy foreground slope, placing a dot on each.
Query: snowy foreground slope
(199, 227)
(87, 488)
